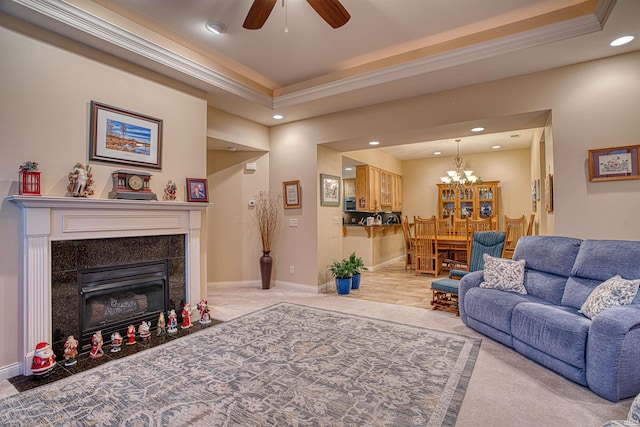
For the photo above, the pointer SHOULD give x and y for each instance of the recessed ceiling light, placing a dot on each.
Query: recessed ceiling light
(374, 143)
(477, 129)
(348, 169)
(215, 27)
(622, 40)
(437, 153)
(495, 147)
(278, 116)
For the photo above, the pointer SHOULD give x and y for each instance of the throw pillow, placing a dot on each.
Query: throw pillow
(503, 274)
(613, 292)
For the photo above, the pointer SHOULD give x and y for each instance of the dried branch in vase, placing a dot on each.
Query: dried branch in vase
(268, 217)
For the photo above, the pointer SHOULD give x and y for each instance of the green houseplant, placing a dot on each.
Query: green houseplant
(342, 271)
(357, 265)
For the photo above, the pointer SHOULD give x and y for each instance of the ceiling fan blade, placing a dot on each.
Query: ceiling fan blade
(258, 14)
(331, 11)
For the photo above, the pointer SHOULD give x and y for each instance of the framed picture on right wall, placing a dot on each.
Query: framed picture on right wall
(614, 163)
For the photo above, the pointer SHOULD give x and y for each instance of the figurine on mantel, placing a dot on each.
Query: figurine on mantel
(186, 316)
(173, 322)
(80, 181)
(43, 360)
(144, 330)
(116, 342)
(203, 307)
(70, 351)
(96, 345)
(170, 190)
(162, 324)
(131, 335)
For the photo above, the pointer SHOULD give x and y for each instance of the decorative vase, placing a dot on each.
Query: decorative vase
(266, 263)
(343, 285)
(355, 281)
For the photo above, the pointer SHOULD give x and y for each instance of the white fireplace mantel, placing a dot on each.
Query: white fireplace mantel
(47, 219)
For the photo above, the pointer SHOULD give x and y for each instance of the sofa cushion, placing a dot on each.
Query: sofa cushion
(503, 274)
(493, 307)
(578, 290)
(560, 332)
(602, 259)
(547, 286)
(551, 254)
(611, 293)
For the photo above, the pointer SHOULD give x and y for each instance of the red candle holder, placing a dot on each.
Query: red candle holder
(29, 183)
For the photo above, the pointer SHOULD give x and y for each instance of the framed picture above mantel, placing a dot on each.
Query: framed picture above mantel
(123, 137)
(614, 163)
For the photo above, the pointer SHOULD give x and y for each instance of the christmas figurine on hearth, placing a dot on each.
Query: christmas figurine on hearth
(70, 351)
(96, 345)
(131, 335)
(43, 360)
(116, 342)
(144, 330)
(203, 307)
(162, 324)
(173, 322)
(186, 316)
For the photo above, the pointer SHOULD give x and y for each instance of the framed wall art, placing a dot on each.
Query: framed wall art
(329, 190)
(291, 192)
(197, 190)
(615, 163)
(124, 137)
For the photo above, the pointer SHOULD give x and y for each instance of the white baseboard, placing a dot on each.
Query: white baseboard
(258, 284)
(10, 371)
(384, 264)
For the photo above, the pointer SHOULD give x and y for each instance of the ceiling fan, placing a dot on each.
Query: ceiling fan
(331, 11)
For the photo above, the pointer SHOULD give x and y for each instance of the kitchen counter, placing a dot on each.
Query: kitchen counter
(372, 230)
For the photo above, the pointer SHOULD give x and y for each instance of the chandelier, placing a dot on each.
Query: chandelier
(460, 176)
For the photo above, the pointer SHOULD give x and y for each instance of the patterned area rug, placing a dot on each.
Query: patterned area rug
(286, 365)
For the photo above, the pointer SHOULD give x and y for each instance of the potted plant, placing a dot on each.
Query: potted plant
(342, 271)
(267, 210)
(357, 265)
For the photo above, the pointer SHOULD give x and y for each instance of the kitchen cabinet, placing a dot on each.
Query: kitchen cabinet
(377, 190)
(367, 188)
(477, 202)
(349, 187)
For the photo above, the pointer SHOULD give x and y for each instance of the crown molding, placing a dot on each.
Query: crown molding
(60, 12)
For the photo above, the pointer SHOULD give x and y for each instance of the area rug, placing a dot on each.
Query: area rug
(286, 365)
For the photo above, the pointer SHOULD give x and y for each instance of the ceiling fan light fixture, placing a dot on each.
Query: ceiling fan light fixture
(215, 27)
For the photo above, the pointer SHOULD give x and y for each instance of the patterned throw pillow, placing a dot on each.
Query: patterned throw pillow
(613, 292)
(503, 274)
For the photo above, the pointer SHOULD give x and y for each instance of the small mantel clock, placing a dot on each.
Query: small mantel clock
(132, 185)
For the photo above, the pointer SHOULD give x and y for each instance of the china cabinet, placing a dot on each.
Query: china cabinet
(477, 202)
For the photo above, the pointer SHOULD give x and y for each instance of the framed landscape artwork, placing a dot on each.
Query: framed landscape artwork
(329, 190)
(615, 163)
(124, 137)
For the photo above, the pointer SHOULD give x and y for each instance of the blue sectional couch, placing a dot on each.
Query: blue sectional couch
(545, 324)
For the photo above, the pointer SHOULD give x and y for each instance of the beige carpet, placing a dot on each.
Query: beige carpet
(505, 389)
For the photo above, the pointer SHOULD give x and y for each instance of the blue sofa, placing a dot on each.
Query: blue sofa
(545, 324)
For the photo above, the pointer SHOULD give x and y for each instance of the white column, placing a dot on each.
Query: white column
(36, 282)
(193, 257)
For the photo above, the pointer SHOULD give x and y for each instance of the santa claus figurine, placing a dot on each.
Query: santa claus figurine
(43, 360)
(186, 316)
(131, 335)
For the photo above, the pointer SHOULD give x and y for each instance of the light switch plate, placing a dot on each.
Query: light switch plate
(293, 222)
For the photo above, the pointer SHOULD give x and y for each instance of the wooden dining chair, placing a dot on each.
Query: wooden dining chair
(531, 221)
(428, 257)
(516, 229)
(409, 248)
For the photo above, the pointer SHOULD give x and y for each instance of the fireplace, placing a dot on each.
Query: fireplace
(89, 231)
(112, 298)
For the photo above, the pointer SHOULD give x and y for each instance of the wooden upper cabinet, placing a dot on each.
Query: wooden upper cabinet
(377, 190)
(349, 187)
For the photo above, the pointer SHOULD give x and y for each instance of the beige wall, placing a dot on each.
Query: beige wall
(47, 84)
(512, 168)
(377, 158)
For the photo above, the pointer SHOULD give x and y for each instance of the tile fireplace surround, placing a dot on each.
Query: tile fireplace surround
(48, 219)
